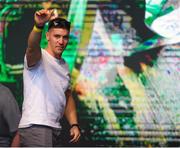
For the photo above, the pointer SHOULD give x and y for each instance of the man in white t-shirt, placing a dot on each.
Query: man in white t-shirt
(47, 93)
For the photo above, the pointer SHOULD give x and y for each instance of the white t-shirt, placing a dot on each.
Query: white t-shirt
(44, 91)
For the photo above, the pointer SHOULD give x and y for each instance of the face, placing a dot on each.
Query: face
(57, 41)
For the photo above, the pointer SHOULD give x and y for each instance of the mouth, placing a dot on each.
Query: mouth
(60, 47)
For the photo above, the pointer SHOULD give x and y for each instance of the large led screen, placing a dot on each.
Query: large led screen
(124, 58)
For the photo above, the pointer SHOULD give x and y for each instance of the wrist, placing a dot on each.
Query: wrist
(37, 29)
(75, 125)
(39, 26)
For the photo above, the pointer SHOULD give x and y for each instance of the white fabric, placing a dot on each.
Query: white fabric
(44, 91)
(168, 25)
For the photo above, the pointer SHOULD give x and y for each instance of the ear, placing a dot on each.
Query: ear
(47, 36)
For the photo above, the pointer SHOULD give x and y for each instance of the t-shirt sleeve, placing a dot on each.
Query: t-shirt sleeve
(32, 67)
(11, 112)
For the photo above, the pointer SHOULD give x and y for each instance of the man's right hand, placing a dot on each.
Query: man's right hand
(42, 16)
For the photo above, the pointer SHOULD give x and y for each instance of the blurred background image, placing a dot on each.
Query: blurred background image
(124, 59)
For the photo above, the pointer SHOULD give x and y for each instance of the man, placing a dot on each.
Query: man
(9, 118)
(47, 93)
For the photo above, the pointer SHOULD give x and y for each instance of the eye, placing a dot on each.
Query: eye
(66, 37)
(57, 36)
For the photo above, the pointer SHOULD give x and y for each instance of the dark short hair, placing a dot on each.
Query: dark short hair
(59, 23)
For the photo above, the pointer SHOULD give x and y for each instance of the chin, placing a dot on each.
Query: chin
(58, 52)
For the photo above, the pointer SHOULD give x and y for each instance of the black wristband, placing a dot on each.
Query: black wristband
(77, 125)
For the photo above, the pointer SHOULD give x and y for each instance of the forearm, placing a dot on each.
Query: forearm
(71, 117)
(34, 39)
(33, 51)
(70, 110)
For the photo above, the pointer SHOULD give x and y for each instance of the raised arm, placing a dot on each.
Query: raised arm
(33, 51)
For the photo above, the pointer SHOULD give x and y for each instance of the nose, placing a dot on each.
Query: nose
(61, 40)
